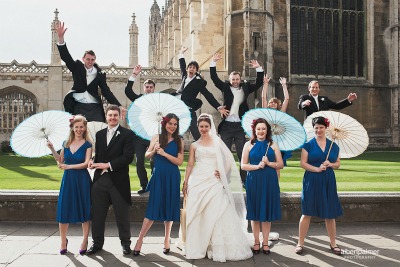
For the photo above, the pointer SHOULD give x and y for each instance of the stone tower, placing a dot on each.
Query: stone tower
(55, 56)
(154, 24)
(133, 43)
(250, 22)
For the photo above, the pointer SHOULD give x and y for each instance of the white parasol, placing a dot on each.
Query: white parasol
(30, 137)
(287, 132)
(146, 112)
(345, 131)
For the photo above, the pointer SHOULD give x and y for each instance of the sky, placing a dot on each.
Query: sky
(100, 25)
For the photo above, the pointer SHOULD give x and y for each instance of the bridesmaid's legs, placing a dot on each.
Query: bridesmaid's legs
(168, 226)
(266, 228)
(304, 224)
(63, 227)
(331, 228)
(145, 228)
(85, 231)
(255, 225)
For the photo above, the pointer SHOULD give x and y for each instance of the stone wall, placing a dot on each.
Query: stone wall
(357, 207)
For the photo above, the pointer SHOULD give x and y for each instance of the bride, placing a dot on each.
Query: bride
(215, 209)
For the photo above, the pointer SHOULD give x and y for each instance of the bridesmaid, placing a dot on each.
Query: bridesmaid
(74, 197)
(164, 185)
(319, 196)
(262, 186)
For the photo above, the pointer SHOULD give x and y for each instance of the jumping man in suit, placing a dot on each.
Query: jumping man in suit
(235, 94)
(192, 85)
(84, 98)
(313, 102)
(111, 185)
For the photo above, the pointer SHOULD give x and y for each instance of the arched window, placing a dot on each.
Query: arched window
(327, 37)
(16, 104)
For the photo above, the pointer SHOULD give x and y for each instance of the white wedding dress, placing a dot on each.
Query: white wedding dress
(213, 227)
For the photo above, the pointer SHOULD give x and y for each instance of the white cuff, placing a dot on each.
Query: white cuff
(259, 69)
(132, 79)
(60, 44)
(213, 63)
(181, 56)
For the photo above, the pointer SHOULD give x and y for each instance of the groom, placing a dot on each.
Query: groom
(111, 185)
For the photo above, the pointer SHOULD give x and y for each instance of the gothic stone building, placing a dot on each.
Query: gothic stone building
(347, 45)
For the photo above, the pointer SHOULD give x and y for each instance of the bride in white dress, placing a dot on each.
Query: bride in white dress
(215, 209)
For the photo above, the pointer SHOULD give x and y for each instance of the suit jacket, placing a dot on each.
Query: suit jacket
(324, 104)
(225, 88)
(119, 153)
(194, 87)
(80, 82)
(130, 93)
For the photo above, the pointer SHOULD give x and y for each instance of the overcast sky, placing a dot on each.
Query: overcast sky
(100, 25)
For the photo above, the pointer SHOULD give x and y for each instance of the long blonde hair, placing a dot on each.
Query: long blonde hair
(73, 120)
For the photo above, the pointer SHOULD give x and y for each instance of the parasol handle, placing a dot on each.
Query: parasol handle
(330, 147)
(45, 135)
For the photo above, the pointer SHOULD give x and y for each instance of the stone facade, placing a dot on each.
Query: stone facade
(257, 29)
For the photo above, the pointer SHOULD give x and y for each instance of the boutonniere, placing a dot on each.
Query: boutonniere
(117, 133)
(103, 72)
(323, 99)
(198, 77)
(245, 81)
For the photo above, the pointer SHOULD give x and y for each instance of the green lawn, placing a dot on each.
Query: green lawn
(372, 171)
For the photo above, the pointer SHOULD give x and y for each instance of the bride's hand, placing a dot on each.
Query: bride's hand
(217, 174)
(184, 189)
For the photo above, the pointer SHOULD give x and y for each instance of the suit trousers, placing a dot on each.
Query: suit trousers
(104, 193)
(194, 130)
(232, 132)
(91, 111)
(141, 146)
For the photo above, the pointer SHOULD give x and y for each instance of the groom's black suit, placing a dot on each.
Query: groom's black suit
(80, 85)
(324, 104)
(112, 187)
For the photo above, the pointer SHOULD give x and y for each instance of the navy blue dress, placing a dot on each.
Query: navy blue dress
(164, 187)
(74, 204)
(262, 187)
(319, 196)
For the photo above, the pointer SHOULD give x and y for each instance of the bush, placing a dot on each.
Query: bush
(5, 147)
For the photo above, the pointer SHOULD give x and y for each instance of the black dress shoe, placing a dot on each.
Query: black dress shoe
(93, 249)
(142, 190)
(126, 249)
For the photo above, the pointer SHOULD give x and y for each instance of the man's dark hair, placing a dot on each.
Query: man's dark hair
(89, 52)
(195, 64)
(149, 81)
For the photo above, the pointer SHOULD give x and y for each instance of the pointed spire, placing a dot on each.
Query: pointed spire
(56, 14)
(133, 19)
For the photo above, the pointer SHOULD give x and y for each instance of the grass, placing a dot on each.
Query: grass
(372, 171)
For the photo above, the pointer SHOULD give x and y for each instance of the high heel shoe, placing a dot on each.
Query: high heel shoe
(256, 251)
(83, 251)
(65, 250)
(166, 250)
(266, 251)
(136, 252)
